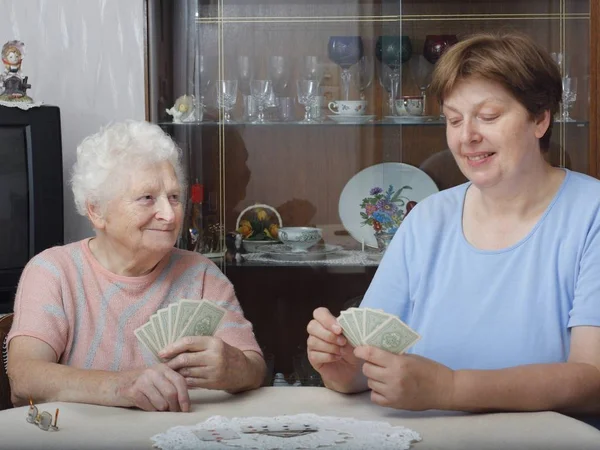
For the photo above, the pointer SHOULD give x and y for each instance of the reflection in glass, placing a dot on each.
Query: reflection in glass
(569, 96)
(364, 75)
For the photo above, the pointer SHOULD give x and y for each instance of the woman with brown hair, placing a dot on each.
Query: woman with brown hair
(498, 275)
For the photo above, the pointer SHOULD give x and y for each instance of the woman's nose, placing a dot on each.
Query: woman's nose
(469, 132)
(164, 210)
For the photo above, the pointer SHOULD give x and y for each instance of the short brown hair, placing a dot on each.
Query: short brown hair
(515, 61)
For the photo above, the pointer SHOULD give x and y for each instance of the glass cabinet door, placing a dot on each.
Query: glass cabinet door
(315, 117)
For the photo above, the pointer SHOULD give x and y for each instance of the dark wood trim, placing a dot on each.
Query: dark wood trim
(146, 61)
(594, 165)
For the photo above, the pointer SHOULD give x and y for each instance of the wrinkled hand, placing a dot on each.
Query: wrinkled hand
(406, 381)
(330, 353)
(205, 362)
(157, 388)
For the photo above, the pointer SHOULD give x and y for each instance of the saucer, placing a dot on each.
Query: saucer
(339, 118)
(412, 119)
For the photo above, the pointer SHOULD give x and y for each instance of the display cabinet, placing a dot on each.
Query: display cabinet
(318, 112)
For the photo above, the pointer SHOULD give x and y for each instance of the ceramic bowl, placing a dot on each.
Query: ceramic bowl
(300, 239)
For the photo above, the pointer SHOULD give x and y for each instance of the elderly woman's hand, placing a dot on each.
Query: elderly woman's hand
(207, 362)
(157, 388)
(330, 353)
(406, 381)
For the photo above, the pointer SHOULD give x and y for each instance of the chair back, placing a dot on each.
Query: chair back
(5, 324)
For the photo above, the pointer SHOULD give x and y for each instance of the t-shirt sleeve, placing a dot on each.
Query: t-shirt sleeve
(390, 288)
(586, 301)
(39, 310)
(235, 329)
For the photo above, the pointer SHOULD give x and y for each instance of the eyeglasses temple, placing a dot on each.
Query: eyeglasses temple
(56, 417)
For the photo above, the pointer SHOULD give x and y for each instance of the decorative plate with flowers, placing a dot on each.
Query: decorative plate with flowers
(384, 211)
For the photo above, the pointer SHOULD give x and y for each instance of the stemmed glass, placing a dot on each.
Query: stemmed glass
(261, 91)
(390, 84)
(245, 73)
(436, 44)
(312, 69)
(569, 95)
(392, 51)
(364, 75)
(279, 73)
(307, 94)
(205, 70)
(228, 97)
(345, 51)
(421, 70)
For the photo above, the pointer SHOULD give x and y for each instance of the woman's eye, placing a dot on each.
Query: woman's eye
(174, 198)
(489, 118)
(146, 198)
(453, 122)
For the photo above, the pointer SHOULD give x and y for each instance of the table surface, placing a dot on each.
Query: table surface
(84, 426)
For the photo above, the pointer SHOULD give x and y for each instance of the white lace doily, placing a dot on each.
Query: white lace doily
(339, 258)
(337, 432)
(21, 105)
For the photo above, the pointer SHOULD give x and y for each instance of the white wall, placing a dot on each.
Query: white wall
(86, 57)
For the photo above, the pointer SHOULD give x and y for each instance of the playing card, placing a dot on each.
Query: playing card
(158, 336)
(140, 333)
(163, 320)
(373, 319)
(343, 321)
(172, 318)
(205, 321)
(393, 336)
(216, 434)
(187, 309)
(358, 315)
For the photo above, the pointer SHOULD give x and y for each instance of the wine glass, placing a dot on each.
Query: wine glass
(307, 94)
(279, 73)
(312, 69)
(345, 51)
(421, 70)
(569, 95)
(261, 92)
(205, 68)
(245, 67)
(436, 44)
(390, 84)
(392, 51)
(228, 97)
(364, 75)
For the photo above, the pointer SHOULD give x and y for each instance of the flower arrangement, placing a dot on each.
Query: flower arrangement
(385, 211)
(258, 224)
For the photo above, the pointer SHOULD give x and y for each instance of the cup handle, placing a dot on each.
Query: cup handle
(333, 107)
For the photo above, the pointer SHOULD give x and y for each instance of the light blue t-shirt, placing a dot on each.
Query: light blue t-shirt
(481, 309)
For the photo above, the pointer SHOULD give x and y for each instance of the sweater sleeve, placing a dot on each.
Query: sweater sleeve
(39, 309)
(235, 330)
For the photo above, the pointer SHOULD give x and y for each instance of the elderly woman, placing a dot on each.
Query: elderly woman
(78, 305)
(500, 275)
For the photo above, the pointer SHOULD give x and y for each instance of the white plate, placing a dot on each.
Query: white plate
(412, 119)
(351, 119)
(382, 176)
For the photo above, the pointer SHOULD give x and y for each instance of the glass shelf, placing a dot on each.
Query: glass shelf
(329, 123)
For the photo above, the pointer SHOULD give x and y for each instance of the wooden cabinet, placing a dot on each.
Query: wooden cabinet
(302, 169)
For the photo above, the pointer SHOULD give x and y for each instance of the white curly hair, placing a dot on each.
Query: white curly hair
(104, 158)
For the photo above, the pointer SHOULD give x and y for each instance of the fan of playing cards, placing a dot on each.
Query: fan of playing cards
(365, 326)
(184, 318)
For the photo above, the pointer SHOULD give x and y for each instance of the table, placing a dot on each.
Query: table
(85, 426)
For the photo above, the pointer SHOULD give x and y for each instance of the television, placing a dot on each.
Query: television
(31, 191)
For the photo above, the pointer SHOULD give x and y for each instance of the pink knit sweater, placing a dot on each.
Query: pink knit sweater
(88, 314)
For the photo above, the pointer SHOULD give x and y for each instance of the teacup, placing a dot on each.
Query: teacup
(300, 239)
(348, 107)
(409, 105)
